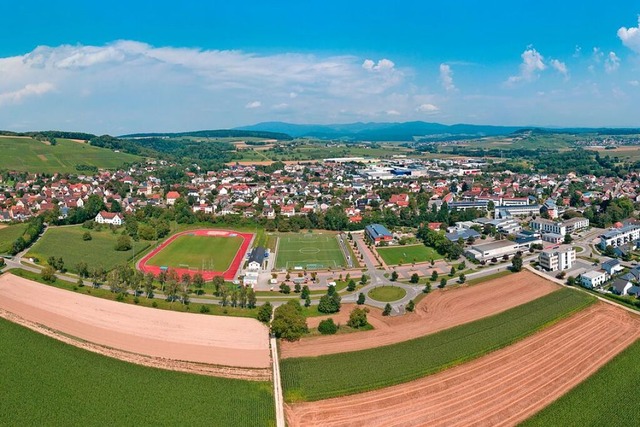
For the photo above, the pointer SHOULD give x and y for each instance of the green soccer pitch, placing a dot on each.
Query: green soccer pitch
(309, 251)
(198, 252)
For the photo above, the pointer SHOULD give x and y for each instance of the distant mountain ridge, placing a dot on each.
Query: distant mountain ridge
(219, 133)
(407, 131)
(410, 131)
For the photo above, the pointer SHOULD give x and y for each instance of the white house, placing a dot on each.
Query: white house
(111, 218)
(612, 266)
(594, 278)
(559, 258)
(256, 260)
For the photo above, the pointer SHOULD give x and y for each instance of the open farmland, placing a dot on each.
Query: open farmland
(160, 336)
(348, 373)
(500, 389)
(309, 250)
(439, 310)
(67, 242)
(26, 154)
(9, 234)
(407, 254)
(618, 382)
(46, 382)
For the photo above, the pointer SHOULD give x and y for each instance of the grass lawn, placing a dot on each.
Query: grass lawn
(484, 278)
(26, 154)
(66, 242)
(309, 250)
(9, 234)
(607, 398)
(215, 308)
(46, 382)
(315, 378)
(215, 253)
(407, 254)
(386, 293)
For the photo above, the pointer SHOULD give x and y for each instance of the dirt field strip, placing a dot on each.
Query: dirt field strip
(438, 311)
(185, 337)
(503, 388)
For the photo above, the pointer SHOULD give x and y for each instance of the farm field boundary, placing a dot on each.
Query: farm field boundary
(439, 310)
(500, 389)
(348, 373)
(165, 335)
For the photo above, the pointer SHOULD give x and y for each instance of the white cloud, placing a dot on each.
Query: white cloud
(393, 113)
(630, 37)
(597, 55)
(31, 89)
(532, 64)
(253, 104)
(612, 63)
(427, 108)
(634, 83)
(382, 65)
(446, 78)
(560, 67)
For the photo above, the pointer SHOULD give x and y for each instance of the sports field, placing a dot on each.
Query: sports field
(67, 242)
(26, 154)
(408, 254)
(211, 252)
(46, 382)
(309, 251)
(192, 251)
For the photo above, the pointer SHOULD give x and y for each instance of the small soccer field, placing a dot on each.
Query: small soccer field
(310, 251)
(196, 252)
(408, 254)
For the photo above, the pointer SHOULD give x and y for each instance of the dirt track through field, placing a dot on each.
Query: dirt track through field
(442, 309)
(500, 389)
(167, 335)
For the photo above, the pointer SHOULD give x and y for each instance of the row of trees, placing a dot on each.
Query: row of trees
(35, 227)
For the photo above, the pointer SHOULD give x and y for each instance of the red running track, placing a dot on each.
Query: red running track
(228, 274)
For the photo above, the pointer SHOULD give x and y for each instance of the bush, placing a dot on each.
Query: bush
(86, 236)
(48, 274)
(329, 303)
(327, 327)
(123, 243)
(154, 304)
(204, 308)
(358, 317)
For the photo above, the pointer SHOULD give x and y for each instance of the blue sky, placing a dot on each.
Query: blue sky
(118, 67)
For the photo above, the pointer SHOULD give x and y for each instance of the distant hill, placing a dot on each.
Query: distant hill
(219, 133)
(414, 131)
(407, 131)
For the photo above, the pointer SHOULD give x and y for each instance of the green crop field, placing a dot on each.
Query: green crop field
(66, 242)
(47, 382)
(208, 252)
(407, 254)
(309, 250)
(348, 373)
(386, 293)
(9, 234)
(607, 398)
(26, 154)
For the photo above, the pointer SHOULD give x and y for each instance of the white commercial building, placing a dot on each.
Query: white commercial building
(620, 236)
(559, 258)
(487, 251)
(556, 227)
(594, 278)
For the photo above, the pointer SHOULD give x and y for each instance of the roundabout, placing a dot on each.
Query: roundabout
(387, 293)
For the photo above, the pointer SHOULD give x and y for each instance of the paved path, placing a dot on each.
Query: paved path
(277, 384)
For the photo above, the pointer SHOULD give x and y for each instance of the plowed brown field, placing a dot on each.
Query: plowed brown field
(441, 309)
(161, 334)
(500, 389)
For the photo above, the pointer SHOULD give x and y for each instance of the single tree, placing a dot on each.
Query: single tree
(452, 272)
(443, 283)
(48, 274)
(251, 298)
(358, 318)
(411, 306)
(516, 263)
(427, 288)
(387, 310)
(361, 299)
(264, 312)
(284, 288)
(434, 275)
(394, 276)
(198, 282)
(297, 288)
(288, 321)
(414, 278)
(307, 301)
(351, 285)
(462, 278)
